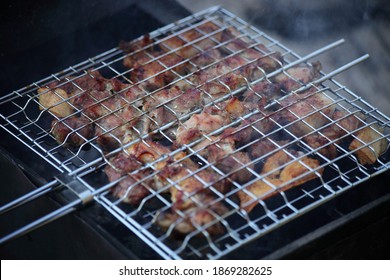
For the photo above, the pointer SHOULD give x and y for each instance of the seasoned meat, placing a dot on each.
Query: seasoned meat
(263, 147)
(222, 153)
(306, 111)
(280, 172)
(334, 133)
(197, 126)
(204, 215)
(262, 93)
(184, 43)
(129, 172)
(294, 77)
(56, 101)
(369, 143)
(73, 131)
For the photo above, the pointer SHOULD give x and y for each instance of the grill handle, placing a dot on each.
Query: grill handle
(55, 215)
(69, 185)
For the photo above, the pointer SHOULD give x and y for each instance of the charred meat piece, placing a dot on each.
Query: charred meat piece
(262, 93)
(280, 172)
(189, 43)
(259, 59)
(117, 128)
(59, 97)
(197, 126)
(73, 131)
(153, 70)
(304, 112)
(98, 103)
(148, 65)
(223, 154)
(204, 215)
(130, 165)
(185, 180)
(297, 76)
(263, 147)
(343, 125)
(169, 105)
(129, 172)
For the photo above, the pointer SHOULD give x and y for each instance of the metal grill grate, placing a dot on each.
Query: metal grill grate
(239, 199)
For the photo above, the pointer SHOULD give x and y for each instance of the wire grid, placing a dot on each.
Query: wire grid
(23, 119)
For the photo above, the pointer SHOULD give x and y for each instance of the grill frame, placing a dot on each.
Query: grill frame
(87, 167)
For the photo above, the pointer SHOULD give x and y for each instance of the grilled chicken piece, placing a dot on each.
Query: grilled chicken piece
(263, 147)
(153, 72)
(117, 128)
(72, 87)
(281, 172)
(129, 189)
(169, 105)
(204, 59)
(56, 101)
(73, 131)
(343, 125)
(297, 76)
(369, 144)
(222, 153)
(149, 152)
(262, 93)
(192, 193)
(184, 44)
(149, 66)
(259, 59)
(130, 165)
(98, 103)
(220, 79)
(92, 79)
(304, 112)
(204, 215)
(197, 126)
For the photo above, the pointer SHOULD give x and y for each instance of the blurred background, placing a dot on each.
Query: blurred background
(305, 25)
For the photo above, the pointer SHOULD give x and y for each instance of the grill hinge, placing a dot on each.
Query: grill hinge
(76, 187)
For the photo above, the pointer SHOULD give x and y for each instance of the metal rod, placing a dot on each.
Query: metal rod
(322, 79)
(41, 221)
(306, 57)
(27, 197)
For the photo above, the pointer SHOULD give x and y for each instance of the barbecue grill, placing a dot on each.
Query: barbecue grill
(74, 177)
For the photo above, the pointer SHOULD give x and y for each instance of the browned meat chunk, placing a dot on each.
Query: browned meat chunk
(343, 124)
(203, 216)
(295, 77)
(129, 188)
(56, 101)
(197, 126)
(280, 172)
(305, 112)
(369, 143)
(73, 131)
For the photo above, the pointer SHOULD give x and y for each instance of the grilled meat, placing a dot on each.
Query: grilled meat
(56, 101)
(302, 113)
(326, 138)
(189, 132)
(297, 76)
(128, 171)
(369, 143)
(203, 216)
(72, 131)
(280, 172)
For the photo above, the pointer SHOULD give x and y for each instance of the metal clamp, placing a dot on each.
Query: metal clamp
(75, 186)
